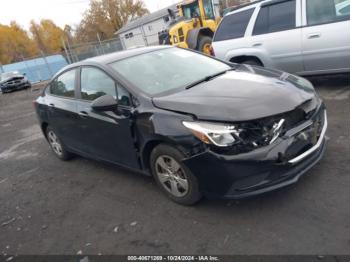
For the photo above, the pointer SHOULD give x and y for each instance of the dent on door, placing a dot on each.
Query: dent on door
(107, 135)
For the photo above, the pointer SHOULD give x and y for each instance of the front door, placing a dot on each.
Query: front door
(107, 135)
(326, 36)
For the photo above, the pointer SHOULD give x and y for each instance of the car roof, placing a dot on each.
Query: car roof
(116, 56)
(112, 57)
(253, 4)
(239, 8)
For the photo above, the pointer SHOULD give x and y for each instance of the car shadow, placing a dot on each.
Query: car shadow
(138, 179)
(336, 81)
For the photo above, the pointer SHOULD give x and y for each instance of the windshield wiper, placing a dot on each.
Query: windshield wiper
(207, 78)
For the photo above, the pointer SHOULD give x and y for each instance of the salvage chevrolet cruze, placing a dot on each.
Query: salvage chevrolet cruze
(199, 126)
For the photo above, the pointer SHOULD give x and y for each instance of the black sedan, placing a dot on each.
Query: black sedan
(198, 125)
(12, 81)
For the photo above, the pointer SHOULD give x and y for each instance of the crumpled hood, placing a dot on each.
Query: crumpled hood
(15, 77)
(247, 93)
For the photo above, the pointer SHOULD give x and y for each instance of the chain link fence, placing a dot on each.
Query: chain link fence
(43, 67)
(37, 69)
(79, 52)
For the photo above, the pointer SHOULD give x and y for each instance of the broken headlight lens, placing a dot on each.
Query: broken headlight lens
(217, 134)
(251, 134)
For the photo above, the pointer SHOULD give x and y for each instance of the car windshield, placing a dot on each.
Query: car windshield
(191, 10)
(167, 69)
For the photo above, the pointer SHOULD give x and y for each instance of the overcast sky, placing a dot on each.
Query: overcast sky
(60, 11)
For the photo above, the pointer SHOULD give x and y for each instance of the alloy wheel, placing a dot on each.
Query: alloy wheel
(55, 143)
(171, 176)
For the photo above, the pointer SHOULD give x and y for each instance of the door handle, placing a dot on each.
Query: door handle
(257, 44)
(51, 105)
(83, 114)
(313, 36)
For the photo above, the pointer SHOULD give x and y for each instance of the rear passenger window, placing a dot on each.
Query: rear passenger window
(233, 26)
(327, 11)
(64, 85)
(275, 18)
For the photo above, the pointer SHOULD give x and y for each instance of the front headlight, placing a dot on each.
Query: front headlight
(217, 134)
(250, 135)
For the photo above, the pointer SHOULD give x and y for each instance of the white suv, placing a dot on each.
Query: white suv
(306, 37)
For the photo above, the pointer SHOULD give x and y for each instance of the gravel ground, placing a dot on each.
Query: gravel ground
(53, 207)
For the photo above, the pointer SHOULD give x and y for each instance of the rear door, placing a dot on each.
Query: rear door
(62, 108)
(277, 35)
(326, 36)
(107, 135)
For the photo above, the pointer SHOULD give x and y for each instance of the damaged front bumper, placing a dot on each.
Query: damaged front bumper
(264, 169)
(12, 87)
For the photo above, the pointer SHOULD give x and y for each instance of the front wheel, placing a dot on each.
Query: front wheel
(173, 177)
(204, 44)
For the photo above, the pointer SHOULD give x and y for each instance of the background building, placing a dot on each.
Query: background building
(144, 31)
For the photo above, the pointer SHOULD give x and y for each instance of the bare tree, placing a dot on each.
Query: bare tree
(105, 17)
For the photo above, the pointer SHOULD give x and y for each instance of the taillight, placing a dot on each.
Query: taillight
(34, 103)
(212, 53)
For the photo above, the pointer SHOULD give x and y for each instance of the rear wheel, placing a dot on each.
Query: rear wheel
(56, 145)
(173, 177)
(204, 44)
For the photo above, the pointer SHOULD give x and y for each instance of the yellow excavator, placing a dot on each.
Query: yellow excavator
(193, 27)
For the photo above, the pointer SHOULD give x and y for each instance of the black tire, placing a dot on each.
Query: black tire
(62, 154)
(190, 196)
(252, 62)
(202, 42)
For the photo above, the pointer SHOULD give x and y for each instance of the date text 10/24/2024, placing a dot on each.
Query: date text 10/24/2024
(173, 258)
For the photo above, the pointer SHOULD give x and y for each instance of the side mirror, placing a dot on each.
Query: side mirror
(105, 103)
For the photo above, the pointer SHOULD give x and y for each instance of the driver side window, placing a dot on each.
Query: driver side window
(95, 83)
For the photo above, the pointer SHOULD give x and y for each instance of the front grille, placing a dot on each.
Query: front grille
(308, 137)
(14, 81)
(293, 118)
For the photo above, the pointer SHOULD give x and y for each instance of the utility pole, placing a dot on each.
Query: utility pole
(73, 55)
(99, 40)
(47, 64)
(65, 50)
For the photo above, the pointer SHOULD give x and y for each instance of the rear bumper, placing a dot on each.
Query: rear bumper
(260, 171)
